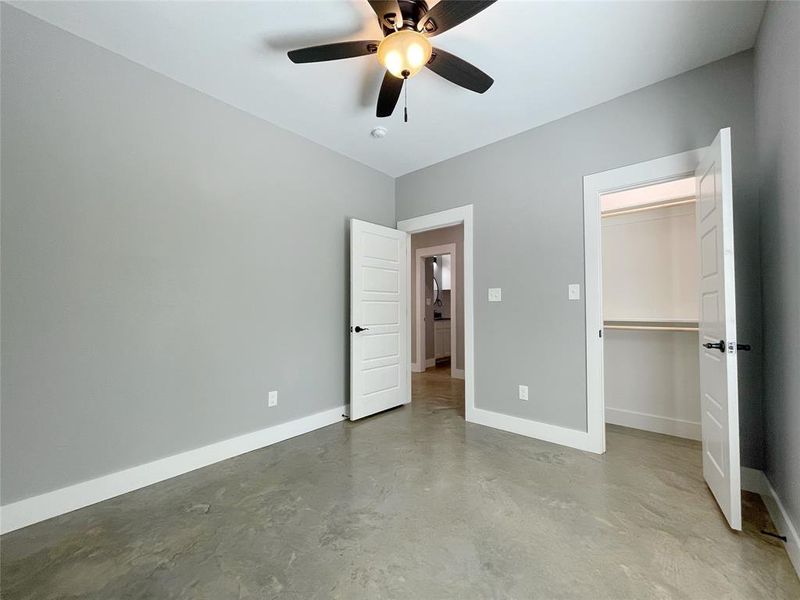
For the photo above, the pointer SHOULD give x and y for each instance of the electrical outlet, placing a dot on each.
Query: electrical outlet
(574, 291)
(273, 399)
(523, 392)
(495, 295)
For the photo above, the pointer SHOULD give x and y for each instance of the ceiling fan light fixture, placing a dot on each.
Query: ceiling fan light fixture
(404, 53)
(405, 49)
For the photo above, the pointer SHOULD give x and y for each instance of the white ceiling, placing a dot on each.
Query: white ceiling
(548, 59)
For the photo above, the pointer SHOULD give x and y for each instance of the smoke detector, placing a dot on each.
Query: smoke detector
(379, 132)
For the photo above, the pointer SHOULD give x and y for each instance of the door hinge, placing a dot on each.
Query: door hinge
(600, 333)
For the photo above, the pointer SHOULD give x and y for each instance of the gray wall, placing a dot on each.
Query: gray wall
(778, 144)
(427, 239)
(152, 238)
(155, 245)
(528, 206)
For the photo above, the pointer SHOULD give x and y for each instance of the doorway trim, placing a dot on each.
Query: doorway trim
(448, 218)
(660, 170)
(419, 274)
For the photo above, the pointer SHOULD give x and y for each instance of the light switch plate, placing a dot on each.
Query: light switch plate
(273, 399)
(495, 295)
(523, 392)
(427, 301)
(574, 291)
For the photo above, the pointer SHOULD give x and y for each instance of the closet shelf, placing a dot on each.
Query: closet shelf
(652, 325)
(643, 207)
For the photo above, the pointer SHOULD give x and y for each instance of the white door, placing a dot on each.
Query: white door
(380, 327)
(719, 392)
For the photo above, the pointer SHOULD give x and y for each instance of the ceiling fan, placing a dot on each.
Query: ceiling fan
(405, 49)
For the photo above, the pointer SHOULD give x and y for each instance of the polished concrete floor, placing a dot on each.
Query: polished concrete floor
(412, 503)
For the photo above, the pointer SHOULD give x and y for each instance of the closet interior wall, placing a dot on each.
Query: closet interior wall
(650, 307)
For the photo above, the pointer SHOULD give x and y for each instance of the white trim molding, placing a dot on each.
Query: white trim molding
(458, 373)
(58, 502)
(447, 218)
(533, 429)
(656, 423)
(757, 481)
(616, 180)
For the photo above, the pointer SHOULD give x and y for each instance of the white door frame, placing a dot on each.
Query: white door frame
(668, 168)
(448, 218)
(419, 265)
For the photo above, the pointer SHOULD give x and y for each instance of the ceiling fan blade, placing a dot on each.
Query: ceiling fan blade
(390, 92)
(459, 71)
(334, 51)
(388, 12)
(449, 13)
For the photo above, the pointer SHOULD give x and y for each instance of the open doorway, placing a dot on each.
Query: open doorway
(437, 317)
(441, 308)
(381, 274)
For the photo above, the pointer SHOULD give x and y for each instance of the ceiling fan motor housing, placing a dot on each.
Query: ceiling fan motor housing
(413, 11)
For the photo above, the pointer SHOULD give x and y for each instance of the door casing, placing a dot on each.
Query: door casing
(660, 170)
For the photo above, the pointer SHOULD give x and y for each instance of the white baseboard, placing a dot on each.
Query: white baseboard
(654, 423)
(415, 368)
(51, 504)
(756, 481)
(430, 362)
(534, 429)
(458, 373)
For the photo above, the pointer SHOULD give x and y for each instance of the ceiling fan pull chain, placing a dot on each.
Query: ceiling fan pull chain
(405, 100)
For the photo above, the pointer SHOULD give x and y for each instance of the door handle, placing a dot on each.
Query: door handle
(719, 346)
(359, 329)
(745, 347)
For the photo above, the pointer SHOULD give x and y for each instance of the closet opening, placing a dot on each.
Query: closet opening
(650, 300)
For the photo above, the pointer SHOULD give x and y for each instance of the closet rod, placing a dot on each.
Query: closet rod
(651, 327)
(650, 207)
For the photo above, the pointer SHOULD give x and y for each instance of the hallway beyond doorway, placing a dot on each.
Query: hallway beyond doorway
(435, 390)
